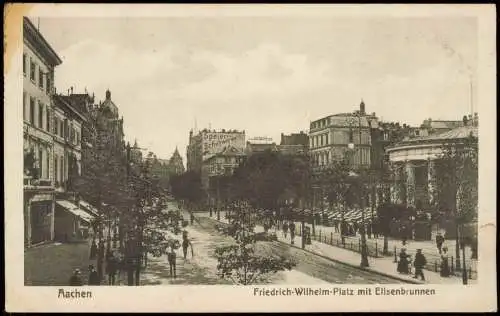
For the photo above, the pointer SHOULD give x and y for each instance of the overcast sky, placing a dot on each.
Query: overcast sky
(264, 75)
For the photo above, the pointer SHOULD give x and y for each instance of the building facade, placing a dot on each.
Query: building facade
(175, 163)
(39, 62)
(415, 166)
(330, 136)
(206, 144)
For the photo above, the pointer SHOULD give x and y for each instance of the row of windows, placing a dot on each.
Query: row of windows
(38, 114)
(322, 123)
(42, 159)
(359, 157)
(32, 72)
(318, 140)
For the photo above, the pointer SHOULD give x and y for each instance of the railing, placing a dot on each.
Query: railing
(375, 250)
(30, 182)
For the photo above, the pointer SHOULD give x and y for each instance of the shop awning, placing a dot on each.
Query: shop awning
(89, 208)
(72, 208)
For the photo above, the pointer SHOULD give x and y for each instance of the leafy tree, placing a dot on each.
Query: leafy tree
(103, 179)
(241, 261)
(457, 178)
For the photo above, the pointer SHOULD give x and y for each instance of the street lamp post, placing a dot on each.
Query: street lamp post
(364, 250)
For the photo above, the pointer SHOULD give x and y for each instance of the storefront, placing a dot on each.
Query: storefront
(71, 222)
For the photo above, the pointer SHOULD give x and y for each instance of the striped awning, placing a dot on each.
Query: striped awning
(75, 210)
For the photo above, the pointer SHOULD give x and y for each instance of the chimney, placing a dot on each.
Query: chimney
(71, 90)
(108, 95)
(362, 108)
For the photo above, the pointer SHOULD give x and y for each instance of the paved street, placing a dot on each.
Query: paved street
(201, 269)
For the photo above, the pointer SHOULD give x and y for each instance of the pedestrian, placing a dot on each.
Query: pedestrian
(419, 264)
(439, 242)
(285, 229)
(93, 250)
(185, 244)
(191, 218)
(111, 266)
(291, 226)
(76, 279)
(403, 262)
(445, 268)
(172, 257)
(93, 276)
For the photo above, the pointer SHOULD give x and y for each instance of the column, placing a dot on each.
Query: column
(431, 182)
(395, 189)
(27, 223)
(52, 217)
(410, 184)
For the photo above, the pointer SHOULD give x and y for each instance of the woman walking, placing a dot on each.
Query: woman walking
(185, 245)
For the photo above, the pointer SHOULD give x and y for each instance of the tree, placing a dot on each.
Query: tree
(457, 178)
(241, 262)
(103, 178)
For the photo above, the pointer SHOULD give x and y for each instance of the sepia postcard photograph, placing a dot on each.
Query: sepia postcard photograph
(250, 158)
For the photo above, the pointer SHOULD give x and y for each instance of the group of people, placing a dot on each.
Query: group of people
(289, 226)
(114, 261)
(404, 262)
(172, 246)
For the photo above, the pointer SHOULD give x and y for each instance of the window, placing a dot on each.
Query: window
(417, 133)
(56, 126)
(32, 70)
(56, 178)
(48, 163)
(32, 111)
(386, 135)
(326, 139)
(40, 162)
(24, 64)
(66, 129)
(24, 105)
(48, 120)
(47, 85)
(40, 78)
(78, 140)
(40, 114)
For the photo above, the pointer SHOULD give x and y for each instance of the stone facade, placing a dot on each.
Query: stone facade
(39, 62)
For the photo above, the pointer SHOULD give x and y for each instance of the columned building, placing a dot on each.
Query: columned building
(39, 62)
(414, 167)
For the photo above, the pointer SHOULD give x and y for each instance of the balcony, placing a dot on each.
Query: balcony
(37, 184)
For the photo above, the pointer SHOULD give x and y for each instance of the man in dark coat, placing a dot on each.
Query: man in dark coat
(439, 242)
(419, 264)
(93, 276)
(75, 279)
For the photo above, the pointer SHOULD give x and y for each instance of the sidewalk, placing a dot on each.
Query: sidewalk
(328, 235)
(53, 264)
(382, 265)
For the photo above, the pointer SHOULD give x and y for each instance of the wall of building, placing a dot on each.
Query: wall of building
(38, 108)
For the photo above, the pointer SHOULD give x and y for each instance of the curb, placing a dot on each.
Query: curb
(354, 266)
(345, 263)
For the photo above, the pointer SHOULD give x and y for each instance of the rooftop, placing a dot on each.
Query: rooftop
(31, 33)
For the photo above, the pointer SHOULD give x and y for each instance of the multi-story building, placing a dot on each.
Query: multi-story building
(294, 144)
(175, 164)
(208, 143)
(260, 144)
(39, 62)
(330, 136)
(68, 122)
